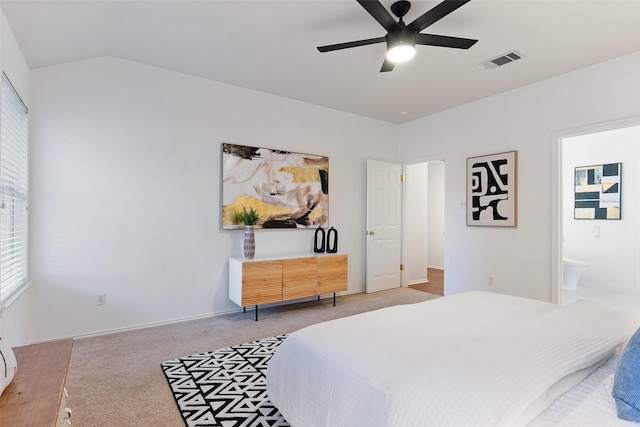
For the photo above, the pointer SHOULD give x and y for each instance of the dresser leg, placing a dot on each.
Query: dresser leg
(334, 299)
(256, 312)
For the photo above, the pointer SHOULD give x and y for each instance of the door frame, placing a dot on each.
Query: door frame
(404, 280)
(556, 194)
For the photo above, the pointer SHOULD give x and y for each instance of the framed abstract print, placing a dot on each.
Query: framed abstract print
(286, 189)
(597, 191)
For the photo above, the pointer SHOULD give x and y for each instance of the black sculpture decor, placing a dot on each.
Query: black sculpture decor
(319, 240)
(332, 240)
(325, 240)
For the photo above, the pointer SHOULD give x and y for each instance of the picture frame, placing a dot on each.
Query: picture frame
(286, 189)
(598, 191)
(492, 190)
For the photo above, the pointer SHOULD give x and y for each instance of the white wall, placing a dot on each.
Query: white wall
(436, 217)
(15, 318)
(126, 190)
(125, 184)
(523, 119)
(416, 222)
(609, 246)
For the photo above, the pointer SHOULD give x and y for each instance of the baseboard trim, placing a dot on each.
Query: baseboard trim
(189, 318)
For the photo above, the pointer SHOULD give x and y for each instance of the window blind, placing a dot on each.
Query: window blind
(14, 194)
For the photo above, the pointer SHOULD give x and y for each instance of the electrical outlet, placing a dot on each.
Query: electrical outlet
(490, 281)
(101, 299)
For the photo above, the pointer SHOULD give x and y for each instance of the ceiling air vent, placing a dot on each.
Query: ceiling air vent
(501, 60)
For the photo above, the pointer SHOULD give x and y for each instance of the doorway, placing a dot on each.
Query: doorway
(598, 257)
(424, 225)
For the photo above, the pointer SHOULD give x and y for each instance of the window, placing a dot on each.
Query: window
(14, 195)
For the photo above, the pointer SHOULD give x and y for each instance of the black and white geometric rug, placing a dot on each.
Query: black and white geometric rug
(226, 387)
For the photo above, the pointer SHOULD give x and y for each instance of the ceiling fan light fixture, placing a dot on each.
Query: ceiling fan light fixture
(401, 45)
(401, 53)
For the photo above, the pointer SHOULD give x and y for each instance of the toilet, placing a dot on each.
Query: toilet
(571, 272)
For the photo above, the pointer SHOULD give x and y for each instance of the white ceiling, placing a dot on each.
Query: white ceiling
(270, 45)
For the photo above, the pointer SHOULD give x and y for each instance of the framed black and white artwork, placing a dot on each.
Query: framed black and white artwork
(492, 190)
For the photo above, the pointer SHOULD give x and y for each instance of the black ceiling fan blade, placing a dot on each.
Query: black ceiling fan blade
(380, 14)
(436, 14)
(444, 41)
(387, 66)
(347, 45)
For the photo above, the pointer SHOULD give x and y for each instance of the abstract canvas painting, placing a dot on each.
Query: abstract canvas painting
(597, 191)
(287, 189)
(492, 190)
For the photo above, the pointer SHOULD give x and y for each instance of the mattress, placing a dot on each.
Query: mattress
(472, 359)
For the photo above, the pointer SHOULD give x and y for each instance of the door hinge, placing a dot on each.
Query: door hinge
(401, 267)
(401, 178)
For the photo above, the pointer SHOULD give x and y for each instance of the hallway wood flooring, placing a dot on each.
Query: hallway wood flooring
(435, 285)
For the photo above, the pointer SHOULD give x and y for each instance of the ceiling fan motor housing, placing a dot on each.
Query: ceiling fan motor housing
(403, 36)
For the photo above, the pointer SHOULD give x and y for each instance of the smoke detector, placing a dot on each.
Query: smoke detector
(503, 59)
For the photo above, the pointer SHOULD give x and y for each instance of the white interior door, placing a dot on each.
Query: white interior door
(384, 201)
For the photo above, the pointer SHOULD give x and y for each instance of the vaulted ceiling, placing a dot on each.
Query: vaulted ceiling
(270, 45)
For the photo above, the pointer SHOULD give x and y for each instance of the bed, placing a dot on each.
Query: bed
(472, 359)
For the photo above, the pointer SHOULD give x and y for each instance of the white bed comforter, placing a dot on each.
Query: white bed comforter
(472, 359)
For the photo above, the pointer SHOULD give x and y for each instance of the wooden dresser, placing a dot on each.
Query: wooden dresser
(36, 397)
(257, 281)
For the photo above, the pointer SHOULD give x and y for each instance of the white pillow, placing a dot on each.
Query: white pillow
(552, 393)
(8, 365)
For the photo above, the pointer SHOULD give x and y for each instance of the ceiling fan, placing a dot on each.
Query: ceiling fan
(401, 38)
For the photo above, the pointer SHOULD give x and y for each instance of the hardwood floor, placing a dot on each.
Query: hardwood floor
(435, 285)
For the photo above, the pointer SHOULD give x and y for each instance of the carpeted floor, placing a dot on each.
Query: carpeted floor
(116, 379)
